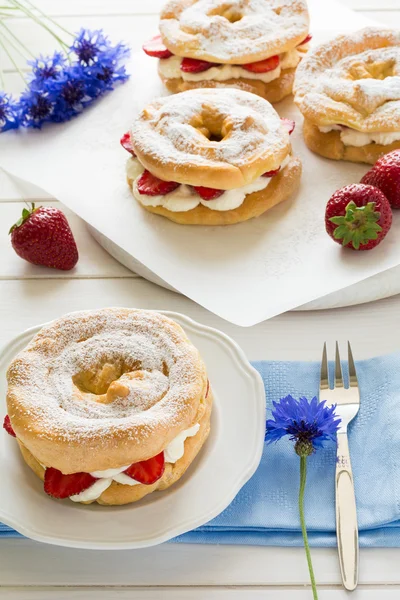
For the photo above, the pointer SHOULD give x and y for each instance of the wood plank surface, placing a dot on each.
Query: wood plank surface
(129, 7)
(93, 260)
(30, 295)
(25, 563)
(195, 593)
(291, 336)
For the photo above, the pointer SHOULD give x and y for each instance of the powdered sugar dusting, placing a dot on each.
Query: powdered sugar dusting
(353, 80)
(171, 129)
(233, 31)
(110, 371)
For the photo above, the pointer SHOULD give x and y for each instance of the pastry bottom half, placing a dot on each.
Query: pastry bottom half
(282, 186)
(329, 145)
(117, 493)
(274, 91)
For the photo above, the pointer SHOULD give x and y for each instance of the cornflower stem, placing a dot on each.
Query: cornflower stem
(303, 478)
(35, 18)
(11, 34)
(13, 45)
(10, 56)
(48, 18)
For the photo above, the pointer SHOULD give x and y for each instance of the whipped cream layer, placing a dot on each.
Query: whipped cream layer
(170, 69)
(185, 198)
(352, 137)
(172, 453)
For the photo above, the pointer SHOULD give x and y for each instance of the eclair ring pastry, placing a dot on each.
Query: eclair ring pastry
(109, 405)
(254, 45)
(349, 93)
(211, 157)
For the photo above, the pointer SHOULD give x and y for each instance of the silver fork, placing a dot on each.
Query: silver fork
(348, 403)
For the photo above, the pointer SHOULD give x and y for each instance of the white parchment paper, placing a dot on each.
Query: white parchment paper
(244, 273)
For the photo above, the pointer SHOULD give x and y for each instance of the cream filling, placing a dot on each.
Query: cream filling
(352, 137)
(172, 453)
(170, 69)
(185, 198)
(93, 492)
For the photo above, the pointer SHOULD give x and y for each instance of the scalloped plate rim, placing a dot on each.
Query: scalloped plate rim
(254, 382)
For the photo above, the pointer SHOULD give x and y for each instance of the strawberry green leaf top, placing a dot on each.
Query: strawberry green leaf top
(358, 226)
(358, 216)
(26, 213)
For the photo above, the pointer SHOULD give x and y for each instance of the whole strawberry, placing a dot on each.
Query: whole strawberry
(358, 216)
(385, 175)
(42, 236)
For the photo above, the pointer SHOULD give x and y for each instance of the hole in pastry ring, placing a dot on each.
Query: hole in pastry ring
(233, 31)
(75, 430)
(221, 138)
(353, 80)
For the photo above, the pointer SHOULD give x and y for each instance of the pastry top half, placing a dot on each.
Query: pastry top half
(100, 389)
(233, 31)
(352, 81)
(218, 138)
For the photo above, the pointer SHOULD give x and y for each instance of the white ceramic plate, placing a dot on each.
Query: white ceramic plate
(228, 459)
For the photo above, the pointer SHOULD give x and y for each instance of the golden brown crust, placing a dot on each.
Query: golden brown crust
(350, 81)
(72, 428)
(274, 91)
(117, 493)
(233, 32)
(331, 146)
(220, 138)
(280, 189)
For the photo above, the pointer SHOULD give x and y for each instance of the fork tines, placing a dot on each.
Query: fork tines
(325, 383)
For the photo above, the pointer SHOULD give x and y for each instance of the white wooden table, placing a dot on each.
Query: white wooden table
(30, 295)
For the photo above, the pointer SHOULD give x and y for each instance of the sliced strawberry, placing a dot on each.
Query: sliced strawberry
(289, 124)
(63, 486)
(156, 48)
(147, 471)
(263, 66)
(306, 40)
(126, 143)
(192, 65)
(150, 185)
(8, 427)
(208, 387)
(208, 193)
(271, 173)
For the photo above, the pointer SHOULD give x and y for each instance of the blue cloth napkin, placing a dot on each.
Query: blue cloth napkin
(265, 511)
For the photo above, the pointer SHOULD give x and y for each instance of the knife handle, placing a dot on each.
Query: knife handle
(346, 515)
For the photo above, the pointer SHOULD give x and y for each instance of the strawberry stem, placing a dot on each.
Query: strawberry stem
(26, 213)
(358, 225)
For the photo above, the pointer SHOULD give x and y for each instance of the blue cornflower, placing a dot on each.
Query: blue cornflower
(71, 94)
(9, 112)
(61, 86)
(109, 71)
(87, 45)
(100, 61)
(46, 68)
(36, 108)
(308, 423)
